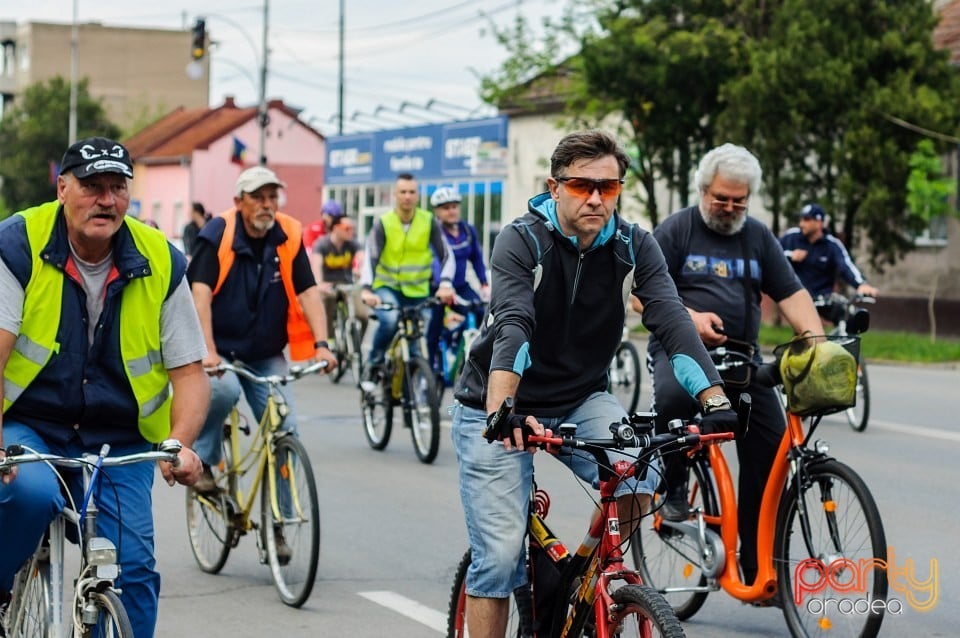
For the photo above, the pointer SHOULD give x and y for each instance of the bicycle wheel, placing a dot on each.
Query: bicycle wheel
(624, 380)
(421, 409)
(30, 609)
(355, 352)
(290, 522)
(857, 415)
(340, 346)
(828, 534)
(641, 611)
(457, 610)
(376, 400)
(209, 520)
(112, 619)
(669, 559)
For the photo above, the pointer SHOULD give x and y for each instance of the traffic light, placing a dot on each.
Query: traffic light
(199, 48)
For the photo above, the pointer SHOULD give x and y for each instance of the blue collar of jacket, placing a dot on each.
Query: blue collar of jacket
(545, 206)
(127, 258)
(241, 240)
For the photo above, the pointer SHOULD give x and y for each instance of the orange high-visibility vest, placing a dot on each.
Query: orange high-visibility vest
(299, 334)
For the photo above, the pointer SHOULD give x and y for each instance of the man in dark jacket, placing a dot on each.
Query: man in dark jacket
(562, 276)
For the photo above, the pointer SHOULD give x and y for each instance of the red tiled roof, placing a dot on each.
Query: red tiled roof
(182, 131)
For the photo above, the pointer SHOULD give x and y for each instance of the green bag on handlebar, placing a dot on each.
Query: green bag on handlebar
(819, 377)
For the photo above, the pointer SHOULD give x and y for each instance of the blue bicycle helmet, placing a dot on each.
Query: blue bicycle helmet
(333, 208)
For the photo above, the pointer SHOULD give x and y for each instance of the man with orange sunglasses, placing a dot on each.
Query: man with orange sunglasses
(563, 275)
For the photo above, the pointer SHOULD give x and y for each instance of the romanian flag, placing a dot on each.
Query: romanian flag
(239, 150)
(54, 171)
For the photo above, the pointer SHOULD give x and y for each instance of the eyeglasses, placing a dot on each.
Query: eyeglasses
(738, 203)
(584, 186)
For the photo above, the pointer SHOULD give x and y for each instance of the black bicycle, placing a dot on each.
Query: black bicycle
(406, 379)
(849, 318)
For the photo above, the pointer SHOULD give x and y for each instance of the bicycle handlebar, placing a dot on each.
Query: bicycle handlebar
(836, 298)
(294, 373)
(17, 454)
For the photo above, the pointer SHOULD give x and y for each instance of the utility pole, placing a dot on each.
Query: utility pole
(340, 76)
(262, 115)
(74, 63)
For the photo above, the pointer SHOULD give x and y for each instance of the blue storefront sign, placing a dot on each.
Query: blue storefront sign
(430, 152)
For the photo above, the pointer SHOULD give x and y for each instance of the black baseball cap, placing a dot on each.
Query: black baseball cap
(95, 155)
(813, 211)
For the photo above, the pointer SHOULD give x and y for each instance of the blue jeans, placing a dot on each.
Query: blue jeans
(224, 394)
(33, 500)
(495, 489)
(388, 320)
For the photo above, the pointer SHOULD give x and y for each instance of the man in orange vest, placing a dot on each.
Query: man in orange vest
(255, 292)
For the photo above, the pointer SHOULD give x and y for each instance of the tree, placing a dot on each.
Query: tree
(832, 101)
(831, 95)
(654, 67)
(33, 137)
(928, 198)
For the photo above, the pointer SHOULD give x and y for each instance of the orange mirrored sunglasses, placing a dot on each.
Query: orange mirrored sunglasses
(584, 186)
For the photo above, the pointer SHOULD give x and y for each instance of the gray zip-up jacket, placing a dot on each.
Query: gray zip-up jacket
(557, 313)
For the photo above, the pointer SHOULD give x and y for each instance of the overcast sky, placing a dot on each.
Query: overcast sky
(394, 51)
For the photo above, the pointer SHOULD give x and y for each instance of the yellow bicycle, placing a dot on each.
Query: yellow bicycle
(276, 465)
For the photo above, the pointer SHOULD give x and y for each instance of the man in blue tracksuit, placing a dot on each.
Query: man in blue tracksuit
(819, 258)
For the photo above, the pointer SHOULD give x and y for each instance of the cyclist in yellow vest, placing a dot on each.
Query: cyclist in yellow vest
(397, 264)
(96, 326)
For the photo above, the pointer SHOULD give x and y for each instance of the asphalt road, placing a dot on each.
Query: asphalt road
(392, 528)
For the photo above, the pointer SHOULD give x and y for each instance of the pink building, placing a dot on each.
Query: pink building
(196, 155)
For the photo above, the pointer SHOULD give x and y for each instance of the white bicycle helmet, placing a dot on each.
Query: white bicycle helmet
(444, 195)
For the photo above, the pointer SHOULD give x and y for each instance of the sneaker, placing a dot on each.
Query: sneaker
(373, 377)
(5, 598)
(206, 484)
(676, 507)
(284, 551)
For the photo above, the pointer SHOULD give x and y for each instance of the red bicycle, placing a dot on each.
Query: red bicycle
(590, 592)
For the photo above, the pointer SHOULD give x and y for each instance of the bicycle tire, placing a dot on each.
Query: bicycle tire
(377, 408)
(421, 409)
(859, 414)
(112, 618)
(30, 609)
(667, 558)
(340, 346)
(456, 610)
(210, 517)
(624, 378)
(297, 531)
(641, 611)
(850, 528)
(355, 350)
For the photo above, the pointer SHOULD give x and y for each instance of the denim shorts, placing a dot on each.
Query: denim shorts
(495, 489)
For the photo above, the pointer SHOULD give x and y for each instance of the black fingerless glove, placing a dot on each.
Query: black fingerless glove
(725, 420)
(501, 428)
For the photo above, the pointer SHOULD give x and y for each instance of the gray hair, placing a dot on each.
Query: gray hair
(732, 162)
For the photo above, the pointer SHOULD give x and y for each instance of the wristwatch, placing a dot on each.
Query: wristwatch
(716, 402)
(321, 344)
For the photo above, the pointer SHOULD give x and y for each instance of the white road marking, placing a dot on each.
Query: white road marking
(409, 608)
(917, 430)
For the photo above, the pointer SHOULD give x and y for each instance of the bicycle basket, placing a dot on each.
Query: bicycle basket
(819, 377)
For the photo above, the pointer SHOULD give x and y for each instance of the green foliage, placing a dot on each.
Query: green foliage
(928, 189)
(35, 133)
(831, 95)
